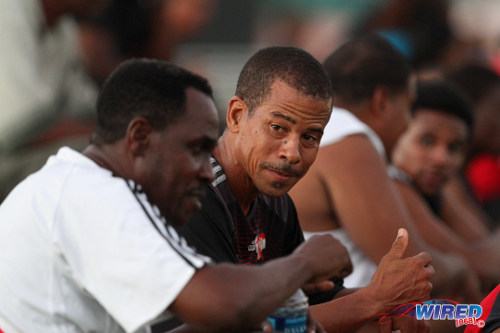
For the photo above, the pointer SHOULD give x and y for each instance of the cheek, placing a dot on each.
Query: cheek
(457, 162)
(308, 157)
(413, 156)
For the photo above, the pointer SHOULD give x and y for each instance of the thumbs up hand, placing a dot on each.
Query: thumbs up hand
(401, 280)
(399, 246)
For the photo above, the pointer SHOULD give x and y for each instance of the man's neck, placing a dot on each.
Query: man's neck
(240, 183)
(104, 158)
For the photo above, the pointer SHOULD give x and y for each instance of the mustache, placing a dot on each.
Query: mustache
(283, 167)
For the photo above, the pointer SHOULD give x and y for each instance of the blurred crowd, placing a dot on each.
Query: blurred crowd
(56, 55)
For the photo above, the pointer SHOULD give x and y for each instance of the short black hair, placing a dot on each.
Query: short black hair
(153, 89)
(292, 65)
(475, 80)
(443, 96)
(362, 64)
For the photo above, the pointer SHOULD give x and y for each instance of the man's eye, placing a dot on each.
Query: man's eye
(426, 141)
(277, 128)
(310, 138)
(196, 150)
(456, 148)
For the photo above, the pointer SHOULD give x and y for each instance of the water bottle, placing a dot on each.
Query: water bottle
(291, 317)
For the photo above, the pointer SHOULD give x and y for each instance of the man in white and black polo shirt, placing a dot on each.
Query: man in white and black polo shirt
(85, 245)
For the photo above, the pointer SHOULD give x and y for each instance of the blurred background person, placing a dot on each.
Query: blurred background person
(136, 29)
(477, 185)
(45, 95)
(427, 155)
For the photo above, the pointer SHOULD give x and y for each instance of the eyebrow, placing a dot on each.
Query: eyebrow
(279, 115)
(289, 119)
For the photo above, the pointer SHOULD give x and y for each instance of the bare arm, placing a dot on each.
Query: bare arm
(227, 297)
(481, 256)
(360, 193)
(397, 281)
(462, 214)
(349, 179)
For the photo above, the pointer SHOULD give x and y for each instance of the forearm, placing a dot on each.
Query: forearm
(362, 308)
(233, 298)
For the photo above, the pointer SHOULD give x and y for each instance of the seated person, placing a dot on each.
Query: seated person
(85, 245)
(490, 314)
(430, 152)
(274, 126)
(347, 191)
(477, 185)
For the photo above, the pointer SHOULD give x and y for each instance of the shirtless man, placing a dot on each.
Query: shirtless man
(347, 191)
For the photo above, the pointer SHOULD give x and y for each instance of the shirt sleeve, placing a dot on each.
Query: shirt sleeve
(210, 231)
(121, 251)
(493, 320)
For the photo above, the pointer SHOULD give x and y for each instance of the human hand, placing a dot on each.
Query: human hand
(405, 324)
(313, 326)
(401, 280)
(323, 286)
(326, 256)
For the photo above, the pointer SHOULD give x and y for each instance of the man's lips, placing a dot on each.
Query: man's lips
(435, 179)
(281, 176)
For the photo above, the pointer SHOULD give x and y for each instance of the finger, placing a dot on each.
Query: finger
(386, 327)
(399, 246)
(311, 288)
(266, 326)
(425, 258)
(431, 270)
(311, 323)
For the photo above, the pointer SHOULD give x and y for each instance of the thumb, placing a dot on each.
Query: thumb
(399, 246)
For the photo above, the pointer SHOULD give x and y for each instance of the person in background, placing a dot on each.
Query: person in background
(427, 155)
(87, 242)
(135, 29)
(46, 96)
(347, 192)
(490, 315)
(477, 185)
(275, 123)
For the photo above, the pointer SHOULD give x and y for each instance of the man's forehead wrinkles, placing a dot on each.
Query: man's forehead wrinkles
(285, 117)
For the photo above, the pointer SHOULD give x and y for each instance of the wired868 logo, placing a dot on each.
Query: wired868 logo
(439, 309)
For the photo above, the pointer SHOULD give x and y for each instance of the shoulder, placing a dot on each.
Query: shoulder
(341, 124)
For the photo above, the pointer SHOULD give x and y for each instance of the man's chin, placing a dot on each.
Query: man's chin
(276, 190)
(180, 218)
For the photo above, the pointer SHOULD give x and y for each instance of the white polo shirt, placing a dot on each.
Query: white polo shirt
(83, 251)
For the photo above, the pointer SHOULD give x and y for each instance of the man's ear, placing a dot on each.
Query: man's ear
(138, 135)
(380, 101)
(236, 110)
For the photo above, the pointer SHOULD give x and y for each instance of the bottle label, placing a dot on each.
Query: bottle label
(289, 325)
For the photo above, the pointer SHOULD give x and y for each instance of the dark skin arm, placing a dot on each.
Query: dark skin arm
(397, 281)
(441, 236)
(366, 203)
(226, 297)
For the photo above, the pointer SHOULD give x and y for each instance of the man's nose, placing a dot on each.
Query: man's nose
(290, 149)
(441, 155)
(206, 172)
